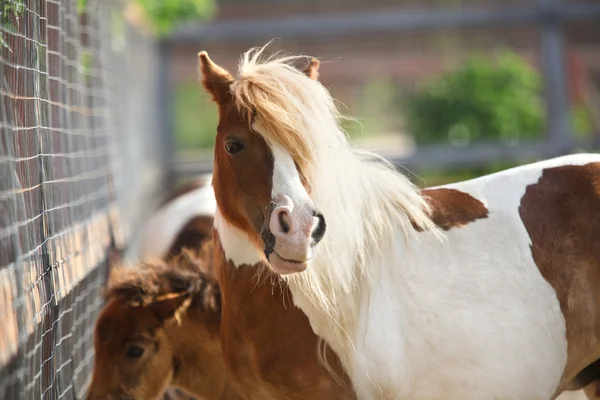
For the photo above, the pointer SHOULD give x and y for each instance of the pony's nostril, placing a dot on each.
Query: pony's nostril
(285, 226)
(319, 230)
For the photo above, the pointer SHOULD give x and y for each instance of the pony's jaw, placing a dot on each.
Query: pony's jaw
(294, 225)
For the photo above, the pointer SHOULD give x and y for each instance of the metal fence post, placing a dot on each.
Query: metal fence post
(554, 68)
(165, 116)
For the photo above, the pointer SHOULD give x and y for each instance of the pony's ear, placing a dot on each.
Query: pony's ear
(312, 70)
(170, 307)
(106, 325)
(216, 80)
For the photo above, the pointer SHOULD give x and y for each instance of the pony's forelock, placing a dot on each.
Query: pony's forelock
(284, 104)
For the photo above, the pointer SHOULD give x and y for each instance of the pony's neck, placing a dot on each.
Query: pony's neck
(199, 366)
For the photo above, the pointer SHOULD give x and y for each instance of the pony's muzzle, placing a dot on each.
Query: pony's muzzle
(295, 230)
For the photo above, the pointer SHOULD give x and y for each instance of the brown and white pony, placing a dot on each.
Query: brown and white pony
(485, 289)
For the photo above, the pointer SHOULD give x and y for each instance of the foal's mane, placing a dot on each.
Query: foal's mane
(183, 276)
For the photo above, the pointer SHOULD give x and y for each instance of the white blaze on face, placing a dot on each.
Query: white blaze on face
(292, 220)
(286, 179)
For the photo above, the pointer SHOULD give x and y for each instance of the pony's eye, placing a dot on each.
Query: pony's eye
(233, 146)
(134, 351)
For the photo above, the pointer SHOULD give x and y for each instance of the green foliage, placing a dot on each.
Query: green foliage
(81, 6)
(10, 10)
(85, 63)
(163, 15)
(195, 117)
(581, 122)
(492, 99)
(376, 106)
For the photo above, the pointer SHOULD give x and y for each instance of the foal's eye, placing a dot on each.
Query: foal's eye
(134, 351)
(234, 146)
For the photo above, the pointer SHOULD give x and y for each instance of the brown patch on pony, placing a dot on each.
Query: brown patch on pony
(452, 208)
(561, 213)
(268, 344)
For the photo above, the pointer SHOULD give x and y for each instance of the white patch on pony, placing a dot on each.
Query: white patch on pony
(236, 244)
(286, 179)
(164, 226)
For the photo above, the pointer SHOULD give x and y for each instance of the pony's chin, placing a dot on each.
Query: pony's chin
(286, 267)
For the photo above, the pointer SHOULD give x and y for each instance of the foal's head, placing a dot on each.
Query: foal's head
(264, 152)
(144, 336)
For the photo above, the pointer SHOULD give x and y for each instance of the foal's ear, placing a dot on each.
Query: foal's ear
(171, 307)
(312, 70)
(216, 80)
(105, 327)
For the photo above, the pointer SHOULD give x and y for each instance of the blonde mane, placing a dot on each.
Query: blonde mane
(280, 101)
(364, 199)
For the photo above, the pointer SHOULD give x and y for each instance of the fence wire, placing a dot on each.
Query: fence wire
(72, 131)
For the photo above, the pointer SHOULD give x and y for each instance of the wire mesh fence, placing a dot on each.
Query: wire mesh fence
(79, 153)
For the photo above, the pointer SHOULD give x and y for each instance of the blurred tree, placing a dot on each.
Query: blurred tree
(494, 99)
(195, 116)
(10, 11)
(163, 15)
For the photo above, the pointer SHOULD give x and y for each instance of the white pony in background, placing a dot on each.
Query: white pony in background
(194, 200)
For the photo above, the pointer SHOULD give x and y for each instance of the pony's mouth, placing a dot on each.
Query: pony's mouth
(284, 266)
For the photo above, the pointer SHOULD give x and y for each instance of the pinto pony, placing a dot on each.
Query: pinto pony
(485, 289)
